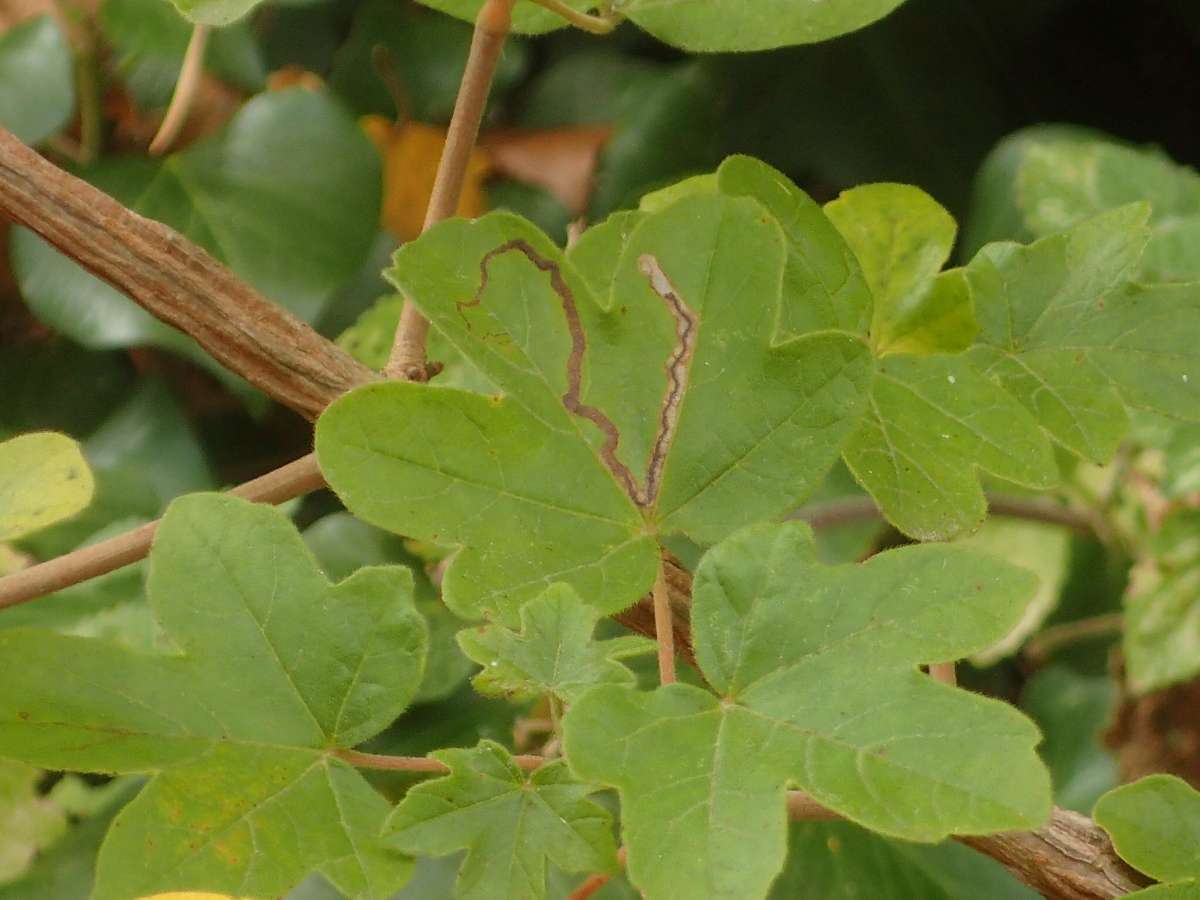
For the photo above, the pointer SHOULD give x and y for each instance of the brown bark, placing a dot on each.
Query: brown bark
(176, 282)
(1069, 859)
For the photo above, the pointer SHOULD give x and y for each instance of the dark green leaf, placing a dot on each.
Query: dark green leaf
(1073, 712)
(426, 52)
(149, 40)
(37, 80)
(841, 861)
(287, 196)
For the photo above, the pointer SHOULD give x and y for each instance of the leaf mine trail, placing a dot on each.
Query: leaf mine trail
(677, 365)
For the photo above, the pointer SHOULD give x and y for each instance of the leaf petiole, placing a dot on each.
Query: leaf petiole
(185, 92)
(664, 626)
(604, 23)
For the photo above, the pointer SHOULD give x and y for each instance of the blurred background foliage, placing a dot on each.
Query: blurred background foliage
(308, 158)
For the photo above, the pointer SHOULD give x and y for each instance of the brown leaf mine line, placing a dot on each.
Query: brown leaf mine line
(678, 366)
(570, 400)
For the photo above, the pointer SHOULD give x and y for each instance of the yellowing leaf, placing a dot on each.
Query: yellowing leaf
(410, 154)
(43, 479)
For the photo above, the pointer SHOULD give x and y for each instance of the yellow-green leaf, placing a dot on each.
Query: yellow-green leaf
(43, 479)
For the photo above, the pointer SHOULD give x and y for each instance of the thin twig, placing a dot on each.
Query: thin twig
(292, 480)
(420, 763)
(860, 509)
(593, 883)
(601, 24)
(1041, 648)
(408, 359)
(185, 92)
(91, 124)
(525, 729)
(664, 626)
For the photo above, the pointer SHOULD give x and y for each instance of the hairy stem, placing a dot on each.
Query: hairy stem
(185, 92)
(408, 359)
(664, 626)
(292, 480)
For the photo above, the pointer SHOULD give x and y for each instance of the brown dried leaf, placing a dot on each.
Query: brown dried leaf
(560, 160)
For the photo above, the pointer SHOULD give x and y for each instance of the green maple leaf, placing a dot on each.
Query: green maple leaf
(1154, 824)
(1048, 179)
(275, 669)
(43, 479)
(1058, 343)
(1064, 331)
(934, 419)
(674, 399)
(510, 823)
(817, 685)
(554, 653)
